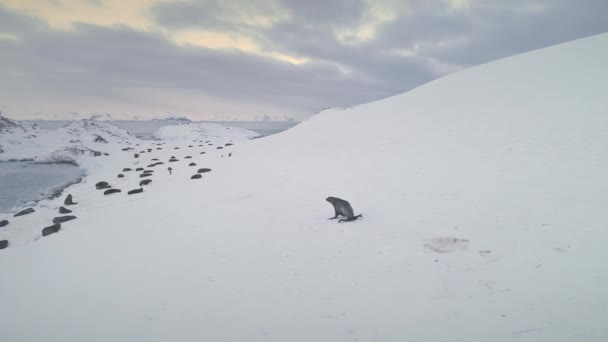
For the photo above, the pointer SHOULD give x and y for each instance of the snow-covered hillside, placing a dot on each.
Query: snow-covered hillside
(202, 130)
(79, 139)
(483, 197)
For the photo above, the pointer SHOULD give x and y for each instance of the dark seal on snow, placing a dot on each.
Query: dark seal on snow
(143, 175)
(111, 191)
(187, 157)
(61, 219)
(126, 169)
(145, 182)
(63, 210)
(120, 175)
(69, 200)
(51, 229)
(196, 176)
(136, 155)
(24, 212)
(135, 191)
(139, 169)
(3, 223)
(203, 170)
(3, 244)
(342, 208)
(101, 185)
(192, 164)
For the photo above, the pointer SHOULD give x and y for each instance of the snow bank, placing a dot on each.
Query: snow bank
(483, 197)
(202, 130)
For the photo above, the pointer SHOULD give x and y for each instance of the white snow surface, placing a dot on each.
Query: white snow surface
(200, 130)
(483, 196)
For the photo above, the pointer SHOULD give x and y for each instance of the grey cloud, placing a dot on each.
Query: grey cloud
(113, 64)
(14, 23)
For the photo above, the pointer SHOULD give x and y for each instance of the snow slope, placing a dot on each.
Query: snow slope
(483, 197)
(202, 130)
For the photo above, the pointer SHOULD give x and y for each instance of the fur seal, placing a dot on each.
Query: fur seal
(63, 210)
(24, 212)
(61, 219)
(69, 200)
(51, 229)
(111, 191)
(342, 208)
(135, 191)
(145, 182)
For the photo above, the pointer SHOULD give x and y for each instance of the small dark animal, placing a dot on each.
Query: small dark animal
(61, 219)
(342, 208)
(3, 244)
(139, 169)
(135, 191)
(187, 157)
(203, 170)
(229, 154)
(196, 176)
(145, 182)
(24, 212)
(69, 200)
(3, 223)
(136, 155)
(143, 175)
(192, 164)
(51, 229)
(126, 169)
(111, 191)
(120, 175)
(101, 185)
(63, 210)
(169, 169)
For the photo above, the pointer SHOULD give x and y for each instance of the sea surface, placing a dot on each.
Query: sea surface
(23, 182)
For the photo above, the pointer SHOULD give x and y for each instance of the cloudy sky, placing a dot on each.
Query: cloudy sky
(224, 59)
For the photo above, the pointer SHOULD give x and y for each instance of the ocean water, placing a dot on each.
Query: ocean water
(22, 182)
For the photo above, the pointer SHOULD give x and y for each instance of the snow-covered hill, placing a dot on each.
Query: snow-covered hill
(484, 207)
(202, 130)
